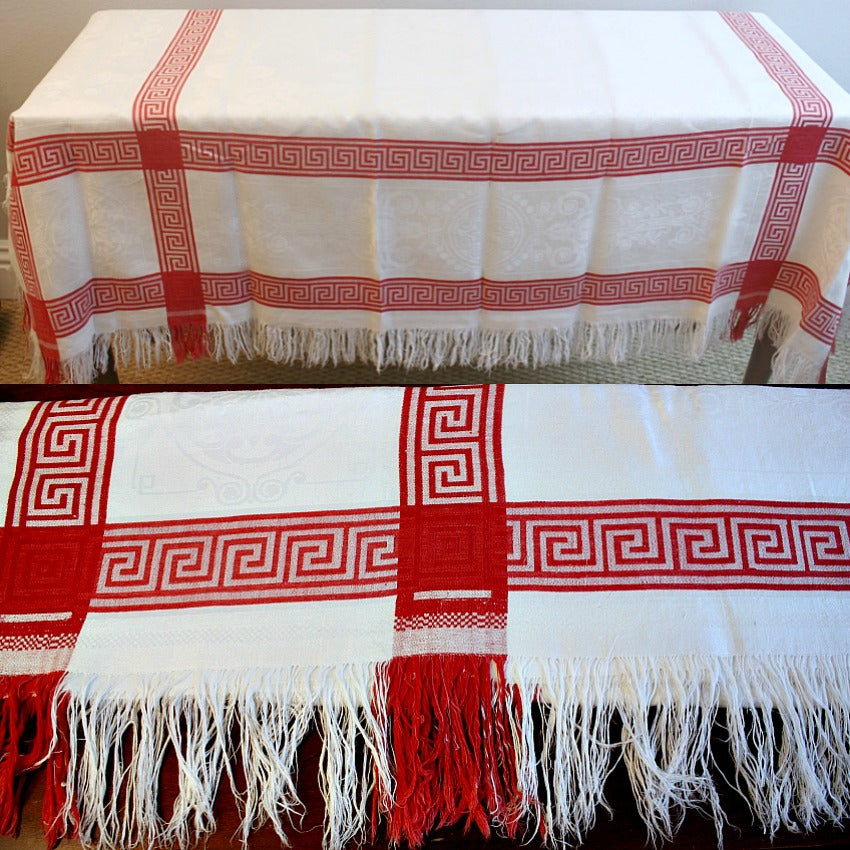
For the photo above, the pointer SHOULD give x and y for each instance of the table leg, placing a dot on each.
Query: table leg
(110, 374)
(759, 367)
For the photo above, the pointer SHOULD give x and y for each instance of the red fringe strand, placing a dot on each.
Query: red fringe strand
(452, 747)
(26, 732)
(189, 341)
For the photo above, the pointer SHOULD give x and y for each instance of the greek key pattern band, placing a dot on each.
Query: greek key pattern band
(551, 547)
(249, 559)
(50, 543)
(64, 456)
(689, 545)
(103, 295)
(449, 445)
(812, 114)
(49, 157)
(154, 117)
(72, 312)
(452, 579)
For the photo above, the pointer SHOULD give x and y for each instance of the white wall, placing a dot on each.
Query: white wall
(34, 33)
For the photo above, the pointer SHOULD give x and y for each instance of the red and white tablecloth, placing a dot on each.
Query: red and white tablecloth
(460, 586)
(429, 187)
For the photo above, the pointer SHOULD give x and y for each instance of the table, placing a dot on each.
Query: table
(477, 595)
(427, 187)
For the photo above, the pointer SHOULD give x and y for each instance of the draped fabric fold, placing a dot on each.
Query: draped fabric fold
(483, 598)
(478, 187)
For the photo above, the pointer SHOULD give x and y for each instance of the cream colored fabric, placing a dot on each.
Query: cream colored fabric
(424, 247)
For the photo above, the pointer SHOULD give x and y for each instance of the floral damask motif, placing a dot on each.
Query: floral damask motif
(551, 231)
(655, 221)
(230, 466)
(434, 228)
(486, 231)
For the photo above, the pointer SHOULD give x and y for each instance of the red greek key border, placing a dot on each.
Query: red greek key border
(451, 567)
(680, 544)
(241, 560)
(156, 102)
(154, 118)
(64, 457)
(550, 546)
(451, 446)
(812, 114)
(809, 103)
(50, 543)
(37, 314)
(72, 312)
(48, 157)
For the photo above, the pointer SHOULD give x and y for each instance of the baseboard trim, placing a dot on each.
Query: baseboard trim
(8, 286)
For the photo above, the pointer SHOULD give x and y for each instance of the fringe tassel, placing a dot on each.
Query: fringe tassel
(453, 754)
(522, 743)
(426, 349)
(189, 341)
(123, 727)
(26, 741)
(787, 725)
(789, 366)
(793, 367)
(742, 318)
(143, 348)
(56, 800)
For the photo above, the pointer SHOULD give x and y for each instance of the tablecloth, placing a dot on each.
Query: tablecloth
(426, 187)
(460, 586)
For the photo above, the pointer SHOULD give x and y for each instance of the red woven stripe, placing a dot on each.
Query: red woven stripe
(64, 456)
(452, 749)
(554, 546)
(248, 559)
(50, 552)
(154, 117)
(50, 546)
(812, 114)
(36, 314)
(48, 157)
(452, 547)
(72, 312)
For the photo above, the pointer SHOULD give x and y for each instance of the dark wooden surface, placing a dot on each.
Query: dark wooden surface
(623, 831)
(51, 392)
(759, 367)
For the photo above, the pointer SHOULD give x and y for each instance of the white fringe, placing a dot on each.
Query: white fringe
(211, 721)
(143, 348)
(795, 773)
(789, 366)
(792, 367)
(435, 349)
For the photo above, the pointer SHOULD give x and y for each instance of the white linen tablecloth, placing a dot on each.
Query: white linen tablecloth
(460, 586)
(429, 187)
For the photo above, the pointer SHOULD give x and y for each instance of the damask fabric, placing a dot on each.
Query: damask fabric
(430, 187)
(462, 587)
